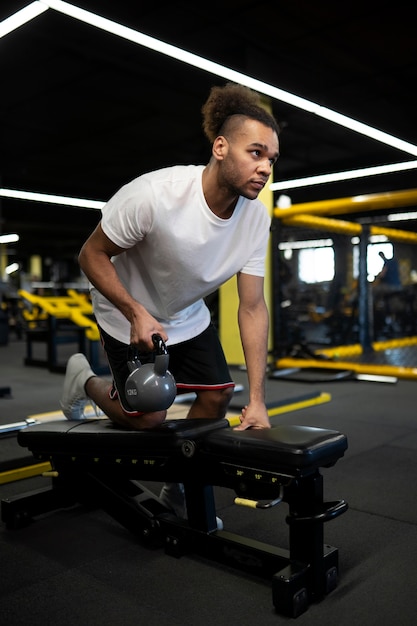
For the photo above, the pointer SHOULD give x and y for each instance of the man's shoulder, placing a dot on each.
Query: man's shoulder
(174, 172)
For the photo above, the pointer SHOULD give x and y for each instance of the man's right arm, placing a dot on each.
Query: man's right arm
(95, 261)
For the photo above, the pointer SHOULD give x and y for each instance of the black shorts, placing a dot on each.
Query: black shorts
(197, 364)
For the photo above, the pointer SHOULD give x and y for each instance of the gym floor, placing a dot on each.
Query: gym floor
(81, 567)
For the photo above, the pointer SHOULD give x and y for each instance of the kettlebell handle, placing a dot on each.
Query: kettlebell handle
(159, 344)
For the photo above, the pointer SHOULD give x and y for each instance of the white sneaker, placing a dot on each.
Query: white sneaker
(172, 496)
(74, 397)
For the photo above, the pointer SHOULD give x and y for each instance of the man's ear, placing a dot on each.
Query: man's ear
(220, 147)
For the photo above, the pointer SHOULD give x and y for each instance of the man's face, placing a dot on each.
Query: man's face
(249, 155)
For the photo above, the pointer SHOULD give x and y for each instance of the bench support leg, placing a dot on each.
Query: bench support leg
(300, 575)
(307, 515)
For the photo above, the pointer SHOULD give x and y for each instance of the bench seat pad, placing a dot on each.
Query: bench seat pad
(283, 447)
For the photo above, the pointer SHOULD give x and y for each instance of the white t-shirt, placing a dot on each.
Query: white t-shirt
(177, 250)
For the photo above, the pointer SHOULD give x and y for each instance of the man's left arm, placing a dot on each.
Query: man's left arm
(253, 320)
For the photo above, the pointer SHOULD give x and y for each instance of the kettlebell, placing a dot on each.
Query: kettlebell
(151, 386)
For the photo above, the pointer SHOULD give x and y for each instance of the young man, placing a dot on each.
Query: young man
(165, 241)
(388, 278)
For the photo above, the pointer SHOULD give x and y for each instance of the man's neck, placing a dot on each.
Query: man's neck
(219, 200)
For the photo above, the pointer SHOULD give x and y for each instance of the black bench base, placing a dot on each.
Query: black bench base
(98, 465)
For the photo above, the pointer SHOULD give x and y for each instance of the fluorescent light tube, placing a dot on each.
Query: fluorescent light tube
(21, 17)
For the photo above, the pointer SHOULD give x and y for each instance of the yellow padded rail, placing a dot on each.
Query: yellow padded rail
(349, 228)
(355, 204)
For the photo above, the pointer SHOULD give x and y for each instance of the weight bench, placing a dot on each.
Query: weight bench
(96, 464)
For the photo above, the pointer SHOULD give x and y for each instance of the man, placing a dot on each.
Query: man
(165, 241)
(388, 278)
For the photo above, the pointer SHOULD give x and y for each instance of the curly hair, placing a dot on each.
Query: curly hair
(233, 99)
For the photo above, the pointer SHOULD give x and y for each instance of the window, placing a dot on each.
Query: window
(316, 265)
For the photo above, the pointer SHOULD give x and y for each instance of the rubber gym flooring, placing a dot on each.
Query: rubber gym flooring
(78, 567)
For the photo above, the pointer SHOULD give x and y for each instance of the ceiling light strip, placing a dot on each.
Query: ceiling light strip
(51, 199)
(227, 73)
(339, 176)
(19, 18)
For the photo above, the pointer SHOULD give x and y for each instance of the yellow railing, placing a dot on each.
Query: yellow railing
(75, 307)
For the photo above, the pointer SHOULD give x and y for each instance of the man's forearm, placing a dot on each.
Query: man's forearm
(254, 326)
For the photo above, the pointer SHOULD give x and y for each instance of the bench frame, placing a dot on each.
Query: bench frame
(101, 468)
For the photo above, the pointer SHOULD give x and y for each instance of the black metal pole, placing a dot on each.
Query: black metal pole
(275, 303)
(366, 330)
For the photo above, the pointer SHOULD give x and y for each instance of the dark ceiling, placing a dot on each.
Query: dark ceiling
(83, 111)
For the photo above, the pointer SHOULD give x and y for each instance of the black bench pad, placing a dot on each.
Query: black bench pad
(287, 448)
(102, 436)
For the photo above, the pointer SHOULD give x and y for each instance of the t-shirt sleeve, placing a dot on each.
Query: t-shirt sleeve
(127, 216)
(255, 265)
